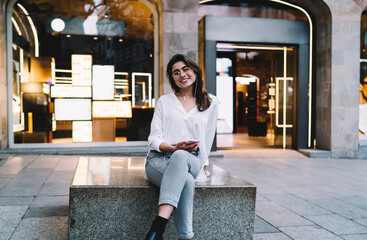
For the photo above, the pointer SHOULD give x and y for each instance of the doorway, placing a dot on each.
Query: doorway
(256, 85)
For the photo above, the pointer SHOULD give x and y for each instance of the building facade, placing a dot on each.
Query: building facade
(314, 50)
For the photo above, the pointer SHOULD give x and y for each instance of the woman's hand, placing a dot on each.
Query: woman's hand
(184, 146)
(206, 171)
(165, 147)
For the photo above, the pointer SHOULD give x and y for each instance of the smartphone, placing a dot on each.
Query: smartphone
(192, 142)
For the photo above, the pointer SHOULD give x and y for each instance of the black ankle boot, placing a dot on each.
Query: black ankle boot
(153, 236)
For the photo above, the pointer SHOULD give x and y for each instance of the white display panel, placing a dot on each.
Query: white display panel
(81, 68)
(82, 131)
(71, 91)
(225, 110)
(112, 109)
(73, 109)
(103, 82)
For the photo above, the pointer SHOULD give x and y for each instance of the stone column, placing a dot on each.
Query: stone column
(345, 55)
(3, 80)
(180, 32)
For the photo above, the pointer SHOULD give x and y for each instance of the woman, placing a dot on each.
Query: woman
(182, 132)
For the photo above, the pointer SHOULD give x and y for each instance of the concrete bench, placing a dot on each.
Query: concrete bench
(110, 199)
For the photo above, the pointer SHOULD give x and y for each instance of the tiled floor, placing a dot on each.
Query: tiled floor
(303, 198)
(297, 197)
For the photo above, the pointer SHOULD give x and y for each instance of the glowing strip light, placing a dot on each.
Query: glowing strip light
(16, 26)
(149, 75)
(34, 30)
(227, 46)
(121, 73)
(310, 64)
(63, 70)
(21, 63)
(284, 96)
(63, 81)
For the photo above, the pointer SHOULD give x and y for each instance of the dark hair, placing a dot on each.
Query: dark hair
(202, 97)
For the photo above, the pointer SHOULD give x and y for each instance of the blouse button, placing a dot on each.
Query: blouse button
(185, 117)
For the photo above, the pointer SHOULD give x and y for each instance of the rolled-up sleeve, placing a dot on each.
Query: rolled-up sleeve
(156, 128)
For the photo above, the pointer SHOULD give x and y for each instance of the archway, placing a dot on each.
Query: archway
(319, 126)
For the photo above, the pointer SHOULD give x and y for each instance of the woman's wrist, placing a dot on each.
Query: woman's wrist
(165, 147)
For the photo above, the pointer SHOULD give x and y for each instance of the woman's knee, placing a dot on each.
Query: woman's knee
(190, 182)
(180, 156)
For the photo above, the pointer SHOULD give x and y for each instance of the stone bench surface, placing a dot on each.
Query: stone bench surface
(110, 199)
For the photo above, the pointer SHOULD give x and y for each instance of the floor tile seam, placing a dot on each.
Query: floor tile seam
(339, 216)
(298, 215)
(50, 173)
(354, 205)
(331, 212)
(26, 166)
(310, 202)
(321, 227)
(304, 217)
(268, 222)
(285, 206)
(282, 233)
(341, 203)
(23, 217)
(43, 184)
(353, 234)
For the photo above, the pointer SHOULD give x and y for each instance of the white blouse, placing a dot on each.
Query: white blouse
(172, 124)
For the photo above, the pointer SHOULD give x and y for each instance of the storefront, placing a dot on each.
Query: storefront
(88, 73)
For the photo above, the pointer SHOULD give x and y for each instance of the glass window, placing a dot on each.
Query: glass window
(82, 71)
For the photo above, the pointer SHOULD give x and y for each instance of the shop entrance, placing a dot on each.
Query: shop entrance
(256, 85)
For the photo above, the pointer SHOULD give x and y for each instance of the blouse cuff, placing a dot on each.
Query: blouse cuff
(206, 162)
(156, 145)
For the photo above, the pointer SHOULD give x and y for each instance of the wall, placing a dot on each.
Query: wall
(345, 64)
(180, 32)
(3, 85)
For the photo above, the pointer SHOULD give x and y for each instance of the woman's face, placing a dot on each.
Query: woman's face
(183, 75)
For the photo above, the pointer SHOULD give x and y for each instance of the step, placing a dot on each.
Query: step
(315, 153)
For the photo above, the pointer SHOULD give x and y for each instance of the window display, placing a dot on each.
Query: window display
(82, 71)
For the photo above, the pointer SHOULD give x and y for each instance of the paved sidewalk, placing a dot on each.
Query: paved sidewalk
(297, 197)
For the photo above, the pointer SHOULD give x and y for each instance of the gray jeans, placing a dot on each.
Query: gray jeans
(175, 174)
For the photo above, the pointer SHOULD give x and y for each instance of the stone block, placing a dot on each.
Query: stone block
(315, 153)
(110, 199)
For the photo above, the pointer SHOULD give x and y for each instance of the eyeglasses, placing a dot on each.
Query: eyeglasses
(177, 73)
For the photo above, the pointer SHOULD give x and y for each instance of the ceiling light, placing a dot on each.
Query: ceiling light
(58, 25)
